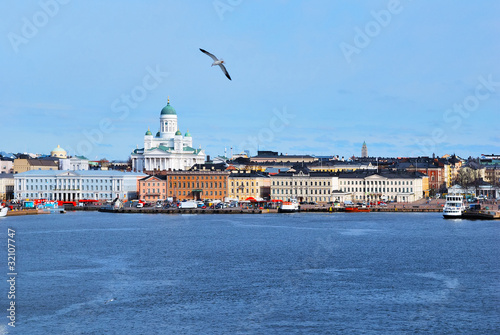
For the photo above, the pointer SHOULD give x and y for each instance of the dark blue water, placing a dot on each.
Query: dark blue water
(339, 273)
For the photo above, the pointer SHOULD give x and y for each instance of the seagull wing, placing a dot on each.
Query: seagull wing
(209, 54)
(223, 68)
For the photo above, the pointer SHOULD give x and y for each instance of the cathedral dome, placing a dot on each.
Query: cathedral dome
(168, 110)
(148, 133)
(187, 134)
(178, 132)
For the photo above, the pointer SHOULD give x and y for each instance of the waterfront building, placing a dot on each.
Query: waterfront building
(488, 190)
(197, 185)
(168, 149)
(304, 185)
(28, 164)
(364, 151)
(59, 152)
(383, 186)
(6, 165)
(76, 163)
(153, 188)
(457, 189)
(6, 186)
(492, 174)
(438, 172)
(76, 185)
(248, 184)
(455, 165)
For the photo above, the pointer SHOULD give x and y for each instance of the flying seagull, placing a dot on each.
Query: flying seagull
(217, 62)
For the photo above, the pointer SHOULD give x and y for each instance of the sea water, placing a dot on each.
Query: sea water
(322, 273)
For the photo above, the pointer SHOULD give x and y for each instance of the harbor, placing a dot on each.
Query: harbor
(418, 207)
(221, 272)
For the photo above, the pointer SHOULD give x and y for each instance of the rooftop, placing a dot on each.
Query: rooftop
(83, 173)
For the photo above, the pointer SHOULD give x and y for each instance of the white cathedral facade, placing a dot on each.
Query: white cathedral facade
(168, 149)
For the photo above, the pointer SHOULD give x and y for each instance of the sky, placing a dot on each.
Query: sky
(409, 78)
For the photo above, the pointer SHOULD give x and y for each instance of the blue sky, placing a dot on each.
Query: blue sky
(309, 77)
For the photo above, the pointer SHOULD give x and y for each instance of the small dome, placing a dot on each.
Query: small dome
(168, 110)
(58, 149)
(158, 134)
(178, 132)
(187, 134)
(148, 133)
(58, 152)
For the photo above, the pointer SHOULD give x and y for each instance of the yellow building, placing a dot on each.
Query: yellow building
(248, 184)
(425, 185)
(28, 164)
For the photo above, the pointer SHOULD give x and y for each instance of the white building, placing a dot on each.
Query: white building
(383, 186)
(6, 186)
(76, 163)
(76, 185)
(303, 185)
(168, 149)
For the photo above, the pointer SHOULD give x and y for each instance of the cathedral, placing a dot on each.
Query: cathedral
(168, 149)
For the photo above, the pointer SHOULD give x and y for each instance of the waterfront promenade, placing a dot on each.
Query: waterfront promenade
(490, 209)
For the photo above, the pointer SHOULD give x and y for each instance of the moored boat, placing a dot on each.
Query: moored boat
(454, 206)
(357, 208)
(289, 206)
(352, 209)
(3, 211)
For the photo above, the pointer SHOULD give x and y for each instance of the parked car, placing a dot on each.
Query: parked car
(139, 205)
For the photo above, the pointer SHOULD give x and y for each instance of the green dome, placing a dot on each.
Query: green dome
(168, 110)
(148, 133)
(158, 134)
(187, 134)
(178, 132)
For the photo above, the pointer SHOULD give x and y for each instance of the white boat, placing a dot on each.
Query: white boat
(289, 206)
(3, 211)
(454, 206)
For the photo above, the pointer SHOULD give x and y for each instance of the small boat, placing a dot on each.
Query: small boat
(289, 206)
(454, 207)
(351, 209)
(3, 211)
(359, 208)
